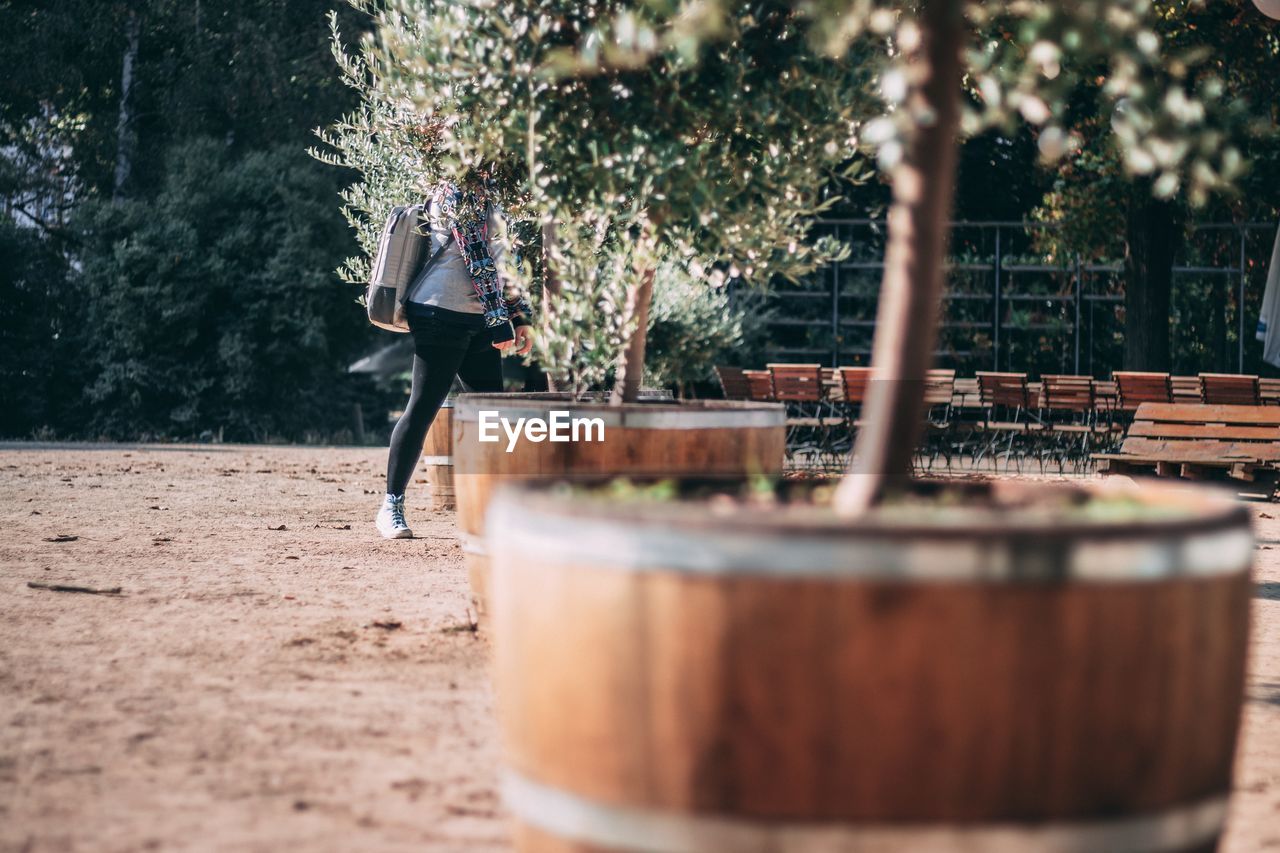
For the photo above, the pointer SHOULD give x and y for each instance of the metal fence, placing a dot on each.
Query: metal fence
(1009, 304)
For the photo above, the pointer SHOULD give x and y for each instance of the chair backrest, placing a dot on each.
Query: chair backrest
(1138, 388)
(1185, 389)
(802, 382)
(760, 383)
(831, 384)
(967, 395)
(939, 387)
(1230, 389)
(1003, 389)
(1068, 393)
(1105, 394)
(1269, 391)
(733, 382)
(855, 381)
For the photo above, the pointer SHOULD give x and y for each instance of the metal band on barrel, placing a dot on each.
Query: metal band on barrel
(472, 544)
(631, 545)
(437, 460)
(587, 821)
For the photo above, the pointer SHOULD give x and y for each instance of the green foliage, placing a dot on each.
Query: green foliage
(206, 301)
(254, 72)
(1025, 60)
(35, 359)
(693, 327)
(213, 305)
(717, 159)
(1219, 48)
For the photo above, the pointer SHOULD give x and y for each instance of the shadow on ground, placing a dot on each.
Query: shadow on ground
(1266, 692)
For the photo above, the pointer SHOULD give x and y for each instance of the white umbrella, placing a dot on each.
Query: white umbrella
(1269, 319)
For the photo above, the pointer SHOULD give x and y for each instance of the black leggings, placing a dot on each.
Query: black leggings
(445, 344)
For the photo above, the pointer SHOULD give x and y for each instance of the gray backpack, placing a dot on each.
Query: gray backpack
(396, 265)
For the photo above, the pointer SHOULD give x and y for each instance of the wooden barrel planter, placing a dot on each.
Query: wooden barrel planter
(437, 460)
(675, 677)
(659, 438)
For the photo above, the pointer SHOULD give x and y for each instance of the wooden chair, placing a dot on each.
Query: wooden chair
(1072, 406)
(966, 395)
(939, 391)
(809, 421)
(1198, 441)
(1230, 389)
(1106, 396)
(1185, 389)
(760, 384)
(939, 437)
(1269, 391)
(733, 382)
(1073, 395)
(1135, 388)
(831, 384)
(800, 383)
(1006, 404)
(1004, 389)
(855, 381)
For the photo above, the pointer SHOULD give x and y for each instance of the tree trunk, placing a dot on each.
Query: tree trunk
(907, 319)
(626, 387)
(125, 136)
(1152, 237)
(550, 284)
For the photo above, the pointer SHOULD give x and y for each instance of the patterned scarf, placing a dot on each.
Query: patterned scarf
(467, 216)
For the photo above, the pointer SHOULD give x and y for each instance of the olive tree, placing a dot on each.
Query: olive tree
(950, 67)
(713, 155)
(1016, 60)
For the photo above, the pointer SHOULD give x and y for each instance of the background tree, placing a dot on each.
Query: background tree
(1102, 211)
(237, 85)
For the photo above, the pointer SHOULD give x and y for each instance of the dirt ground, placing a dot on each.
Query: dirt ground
(275, 676)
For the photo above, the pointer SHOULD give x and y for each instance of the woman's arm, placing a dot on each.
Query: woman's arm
(518, 307)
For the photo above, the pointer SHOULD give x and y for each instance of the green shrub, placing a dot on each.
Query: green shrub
(213, 307)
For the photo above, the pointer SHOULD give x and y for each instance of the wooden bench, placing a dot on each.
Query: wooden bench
(1198, 440)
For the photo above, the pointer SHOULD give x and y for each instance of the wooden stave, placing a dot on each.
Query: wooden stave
(479, 470)
(437, 460)
(1087, 612)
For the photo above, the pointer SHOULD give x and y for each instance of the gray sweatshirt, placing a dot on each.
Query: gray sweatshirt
(446, 283)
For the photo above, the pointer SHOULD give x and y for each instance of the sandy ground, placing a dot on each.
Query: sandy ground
(274, 676)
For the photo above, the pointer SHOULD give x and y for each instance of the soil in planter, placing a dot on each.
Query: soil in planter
(931, 503)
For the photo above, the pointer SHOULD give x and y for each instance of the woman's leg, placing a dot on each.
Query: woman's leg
(434, 367)
(481, 368)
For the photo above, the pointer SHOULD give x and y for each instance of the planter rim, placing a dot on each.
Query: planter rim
(1212, 537)
(655, 414)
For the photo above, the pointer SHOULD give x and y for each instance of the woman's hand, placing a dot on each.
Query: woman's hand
(521, 345)
(524, 339)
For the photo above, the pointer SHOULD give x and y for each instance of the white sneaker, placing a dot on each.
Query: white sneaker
(390, 520)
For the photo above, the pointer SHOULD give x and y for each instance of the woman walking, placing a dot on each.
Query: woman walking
(462, 319)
